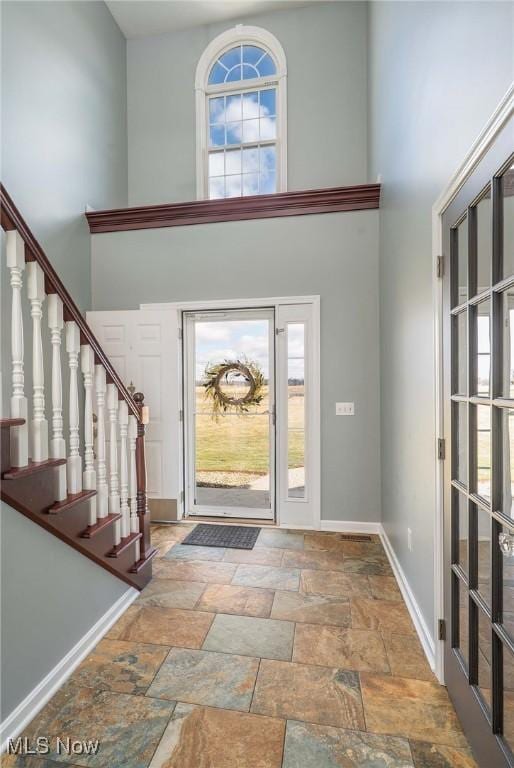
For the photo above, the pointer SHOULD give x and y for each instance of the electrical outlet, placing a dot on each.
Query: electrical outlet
(345, 409)
(409, 539)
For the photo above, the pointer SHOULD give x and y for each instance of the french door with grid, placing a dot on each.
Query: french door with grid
(478, 237)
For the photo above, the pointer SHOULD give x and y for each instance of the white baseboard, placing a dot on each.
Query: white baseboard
(424, 634)
(291, 527)
(27, 709)
(349, 526)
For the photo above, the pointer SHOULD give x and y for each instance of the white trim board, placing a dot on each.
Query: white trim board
(416, 615)
(197, 305)
(27, 709)
(350, 526)
(497, 121)
(276, 302)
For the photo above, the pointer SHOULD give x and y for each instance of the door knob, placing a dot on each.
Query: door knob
(506, 541)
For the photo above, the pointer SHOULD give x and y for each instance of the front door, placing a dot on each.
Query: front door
(230, 413)
(478, 237)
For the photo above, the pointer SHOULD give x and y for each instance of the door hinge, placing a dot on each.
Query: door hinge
(279, 330)
(181, 415)
(441, 448)
(440, 266)
(442, 629)
(179, 333)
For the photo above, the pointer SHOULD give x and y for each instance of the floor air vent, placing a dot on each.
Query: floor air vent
(354, 537)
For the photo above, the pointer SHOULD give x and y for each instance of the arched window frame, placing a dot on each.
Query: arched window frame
(241, 34)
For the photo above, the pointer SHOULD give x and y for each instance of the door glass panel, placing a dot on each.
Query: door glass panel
(508, 697)
(232, 441)
(484, 554)
(507, 314)
(483, 451)
(461, 340)
(296, 410)
(461, 442)
(507, 565)
(508, 222)
(508, 462)
(484, 246)
(463, 619)
(462, 530)
(461, 263)
(484, 657)
(483, 347)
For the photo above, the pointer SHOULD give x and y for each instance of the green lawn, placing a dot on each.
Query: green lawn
(241, 443)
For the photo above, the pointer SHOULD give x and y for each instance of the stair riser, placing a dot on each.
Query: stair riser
(5, 458)
(126, 560)
(34, 492)
(142, 578)
(72, 521)
(102, 542)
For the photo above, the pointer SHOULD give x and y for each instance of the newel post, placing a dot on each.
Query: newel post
(142, 505)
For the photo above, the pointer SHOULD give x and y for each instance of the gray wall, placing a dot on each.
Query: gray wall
(63, 136)
(437, 72)
(63, 147)
(326, 49)
(333, 255)
(63, 124)
(50, 597)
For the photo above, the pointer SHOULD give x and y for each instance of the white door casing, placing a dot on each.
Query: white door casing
(290, 513)
(143, 348)
(301, 511)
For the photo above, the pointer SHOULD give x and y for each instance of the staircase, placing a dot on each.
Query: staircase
(89, 491)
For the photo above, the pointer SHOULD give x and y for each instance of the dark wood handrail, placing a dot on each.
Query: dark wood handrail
(11, 218)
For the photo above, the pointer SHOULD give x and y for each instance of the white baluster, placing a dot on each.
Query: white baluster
(39, 425)
(19, 435)
(74, 463)
(57, 442)
(87, 359)
(124, 507)
(114, 492)
(134, 519)
(102, 491)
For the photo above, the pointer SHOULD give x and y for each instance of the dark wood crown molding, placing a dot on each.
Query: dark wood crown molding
(330, 200)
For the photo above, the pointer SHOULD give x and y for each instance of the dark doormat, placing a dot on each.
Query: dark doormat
(232, 536)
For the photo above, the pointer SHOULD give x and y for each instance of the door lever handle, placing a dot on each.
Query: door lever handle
(506, 542)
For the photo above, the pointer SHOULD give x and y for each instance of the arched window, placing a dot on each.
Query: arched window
(241, 115)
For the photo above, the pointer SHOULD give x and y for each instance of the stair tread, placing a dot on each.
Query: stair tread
(103, 522)
(70, 501)
(33, 466)
(7, 423)
(124, 544)
(142, 562)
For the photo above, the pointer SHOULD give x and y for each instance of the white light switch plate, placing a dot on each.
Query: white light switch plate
(345, 409)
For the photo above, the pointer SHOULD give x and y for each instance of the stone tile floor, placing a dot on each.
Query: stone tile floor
(297, 654)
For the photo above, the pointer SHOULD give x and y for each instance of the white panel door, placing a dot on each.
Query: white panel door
(143, 348)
